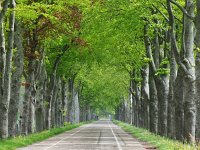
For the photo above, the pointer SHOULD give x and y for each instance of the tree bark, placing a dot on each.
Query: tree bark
(2, 75)
(64, 101)
(171, 99)
(161, 81)
(53, 103)
(138, 104)
(189, 78)
(153, 106)
(16, 81)
(58, 106)
(28, 115)
(145, 96)
(132, 98)
(197, 42)
(51, 87)
(179, 106)
(2, 49)
(5, 101)
(162, 92)
(76, 107)
(69, 104)
(187, 65)
(40, 97)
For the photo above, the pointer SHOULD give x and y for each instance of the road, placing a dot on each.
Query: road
(100, 135)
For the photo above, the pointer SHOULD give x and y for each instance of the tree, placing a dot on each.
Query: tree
(7, 65)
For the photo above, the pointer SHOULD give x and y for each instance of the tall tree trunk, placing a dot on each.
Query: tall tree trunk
(145, 95)
(64, 101)
(31, 119)
(52, 86)
(50, 92)
(28, 115)
(178, 87)
(134, 89)
(162, 86)
(138, 104)
(187, 64)
(156, 47)
(30, 75)
(49, 95)
(198, 97)
(25, 110)
(76, 107)
(171, 99)
(153, 104)
(2, 49)
(40, 97)
(179, 102)
(2, 69)
(189, 78)
(135, 110)
(162, 91)
(161, 81)
(16, 82)
(5, 101)
(197, 42)
(53, 103)
(132, 98)
(130, 107)
(58, 106)
(69, 102)
(72, 102)
(122, 111)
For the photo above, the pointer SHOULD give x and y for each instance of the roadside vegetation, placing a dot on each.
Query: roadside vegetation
(21, 141)
(161, 143)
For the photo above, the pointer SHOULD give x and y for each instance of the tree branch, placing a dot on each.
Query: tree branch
(57, 61)
(174, 15)
(174, 45)
(166, 18)
(183, 10)
(3, 12)
(148, 48)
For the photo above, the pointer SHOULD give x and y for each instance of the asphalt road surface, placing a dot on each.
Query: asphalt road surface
(100, 135)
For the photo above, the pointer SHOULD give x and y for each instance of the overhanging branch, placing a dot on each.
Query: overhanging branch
(166, 18)
(183, 10)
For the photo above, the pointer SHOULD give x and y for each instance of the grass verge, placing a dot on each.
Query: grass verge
(21, 141)
(162, 143)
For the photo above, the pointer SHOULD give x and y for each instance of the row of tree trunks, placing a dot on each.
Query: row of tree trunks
(186, 61)
(168, 103)
(58, 114)
(45, 102)
(86, 114)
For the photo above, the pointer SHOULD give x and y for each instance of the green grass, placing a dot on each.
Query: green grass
(162, 143)
(21, 141)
